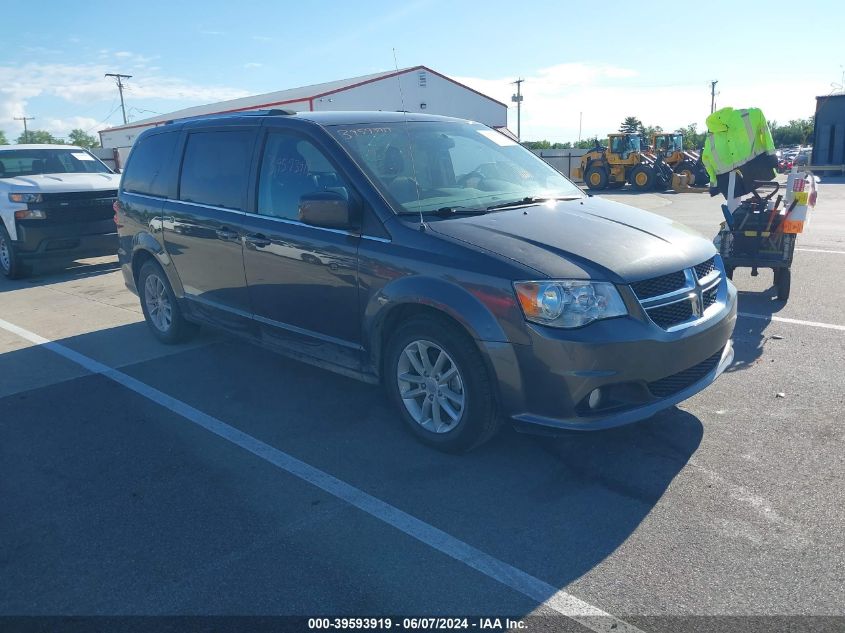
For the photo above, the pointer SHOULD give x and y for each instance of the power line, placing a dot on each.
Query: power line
(119, 79)
(25, 131)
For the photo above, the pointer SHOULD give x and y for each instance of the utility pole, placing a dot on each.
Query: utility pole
(713, 96)
(118, 77)
(580, 119)
(25, 131)
(517, 98)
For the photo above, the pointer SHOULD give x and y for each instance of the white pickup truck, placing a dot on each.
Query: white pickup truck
(55, 202)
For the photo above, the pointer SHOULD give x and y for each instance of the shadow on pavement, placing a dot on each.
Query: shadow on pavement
(553, 507)
(45, 273)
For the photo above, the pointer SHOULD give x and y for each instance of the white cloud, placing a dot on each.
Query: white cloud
(253, 65)
(554, 97)
(262, 38)
(81, 85)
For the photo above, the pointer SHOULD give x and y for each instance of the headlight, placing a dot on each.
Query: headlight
(25, 197)
(30, 214)
(568, 303)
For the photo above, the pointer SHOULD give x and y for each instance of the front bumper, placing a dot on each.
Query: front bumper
(66, 241)
(639, 369)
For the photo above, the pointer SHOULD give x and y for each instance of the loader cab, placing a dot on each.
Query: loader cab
(625, 145)
(668, 143)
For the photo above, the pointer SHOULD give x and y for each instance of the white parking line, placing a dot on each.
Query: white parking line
(764, 317)
(820, 250)
(500, 571)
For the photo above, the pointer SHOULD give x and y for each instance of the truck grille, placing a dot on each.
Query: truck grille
(77, 206)
(705, 268)
(672, 314)
(679, 297)
(658, 285)
(678, 382)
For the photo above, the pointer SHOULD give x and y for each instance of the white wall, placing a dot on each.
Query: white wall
(439, 95)
(126, 137)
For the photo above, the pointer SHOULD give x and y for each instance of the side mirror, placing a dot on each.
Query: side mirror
(327, 209)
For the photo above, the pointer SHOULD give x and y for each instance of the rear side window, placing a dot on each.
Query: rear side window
(215, 168)
(146, 171)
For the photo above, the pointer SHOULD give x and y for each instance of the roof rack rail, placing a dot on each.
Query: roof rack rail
(280, 111)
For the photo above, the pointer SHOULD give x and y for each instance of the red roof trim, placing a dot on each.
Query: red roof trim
(310, 100)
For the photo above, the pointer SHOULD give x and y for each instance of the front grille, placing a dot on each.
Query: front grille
(75, 196)
(678, 382)
(77, 206)
(709, 297)
(659, 285)
(705, 268)
(672, 314)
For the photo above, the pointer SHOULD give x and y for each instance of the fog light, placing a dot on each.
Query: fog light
(595, 398)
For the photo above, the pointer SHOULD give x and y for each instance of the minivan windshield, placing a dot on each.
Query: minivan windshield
(32, 162)
(425, 166)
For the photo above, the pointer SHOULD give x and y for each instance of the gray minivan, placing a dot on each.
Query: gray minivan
(434, 255)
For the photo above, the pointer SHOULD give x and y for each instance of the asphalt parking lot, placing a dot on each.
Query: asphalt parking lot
(214, 478)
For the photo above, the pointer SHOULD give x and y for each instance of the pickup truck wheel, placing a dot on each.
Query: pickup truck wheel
(161, 311)
(439, 383)
(10, 263)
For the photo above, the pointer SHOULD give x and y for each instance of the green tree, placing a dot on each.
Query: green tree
(38, 136)
(566, 145)
(647, 131)
(589, 143)
(537, 144)
(796, 132)
(82, 139)
(692, 138)
(631, 125)
(3, 140)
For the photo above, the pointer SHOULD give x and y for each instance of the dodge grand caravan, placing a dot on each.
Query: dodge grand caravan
(431, 254)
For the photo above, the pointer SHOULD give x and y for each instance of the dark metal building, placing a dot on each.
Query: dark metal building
(829, 132)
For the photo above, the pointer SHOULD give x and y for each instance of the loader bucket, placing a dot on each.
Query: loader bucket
(680, 183)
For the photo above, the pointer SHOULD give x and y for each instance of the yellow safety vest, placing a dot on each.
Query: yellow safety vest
(735, 137)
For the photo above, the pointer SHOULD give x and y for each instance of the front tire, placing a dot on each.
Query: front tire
(440, 386)
(596, 178)
(161, 310)
(10, 263)
(642, 178)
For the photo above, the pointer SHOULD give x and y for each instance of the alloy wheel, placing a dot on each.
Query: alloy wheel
(431, 386)
(158, 303)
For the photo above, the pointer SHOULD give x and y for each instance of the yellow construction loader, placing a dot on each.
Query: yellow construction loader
(683, 162)
(623, 161)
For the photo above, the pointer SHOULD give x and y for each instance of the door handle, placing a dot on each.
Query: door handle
(227, 234)
(257, 239)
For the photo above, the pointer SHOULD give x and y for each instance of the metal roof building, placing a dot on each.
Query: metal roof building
(422, 90)
(829, 131)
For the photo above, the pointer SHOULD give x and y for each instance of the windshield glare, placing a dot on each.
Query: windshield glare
(424, 166)
(32, 162)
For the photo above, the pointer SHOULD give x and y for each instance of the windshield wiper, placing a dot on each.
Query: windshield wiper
(526, 201)
(447, 212)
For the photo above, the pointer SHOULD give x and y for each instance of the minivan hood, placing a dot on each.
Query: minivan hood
(60, 182)
(586, 238)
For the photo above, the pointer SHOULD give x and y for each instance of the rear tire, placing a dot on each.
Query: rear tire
(642, 178)
(596, 178)
(10, 263)
(783, 283)
(161, 310)
(446, 398)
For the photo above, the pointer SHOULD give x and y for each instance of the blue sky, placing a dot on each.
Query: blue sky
(652, 60)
